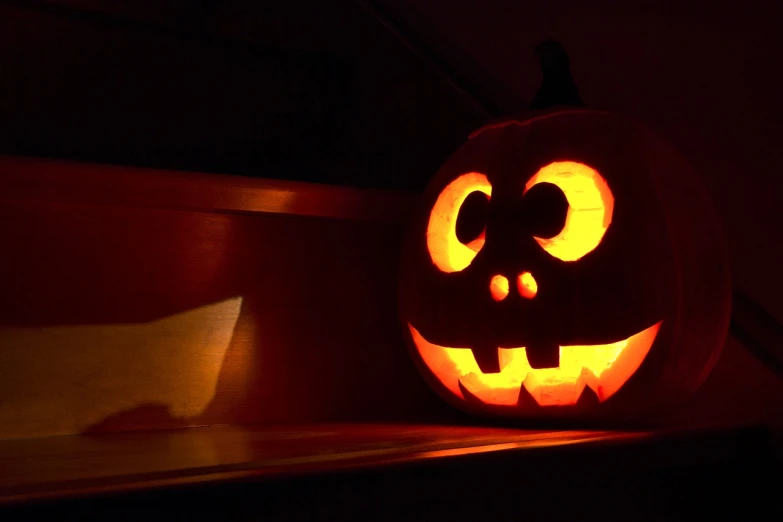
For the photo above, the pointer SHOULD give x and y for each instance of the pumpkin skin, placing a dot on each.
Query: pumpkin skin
(592, 284)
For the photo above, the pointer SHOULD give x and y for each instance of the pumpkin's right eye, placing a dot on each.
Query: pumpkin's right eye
(590, 208)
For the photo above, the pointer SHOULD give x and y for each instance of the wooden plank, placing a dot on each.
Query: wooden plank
(115, 318)
(389, 472)
(83, 465)
(85, 183)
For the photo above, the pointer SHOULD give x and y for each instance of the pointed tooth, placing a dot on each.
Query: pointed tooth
(588, 398)
(468, 395)
(526, 400)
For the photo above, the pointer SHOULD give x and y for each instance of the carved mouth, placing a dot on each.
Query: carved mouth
(603, 368)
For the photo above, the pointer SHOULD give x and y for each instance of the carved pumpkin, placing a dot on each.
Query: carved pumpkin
(567, 266)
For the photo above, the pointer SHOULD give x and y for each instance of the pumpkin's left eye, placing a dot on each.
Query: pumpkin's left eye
(455, 231)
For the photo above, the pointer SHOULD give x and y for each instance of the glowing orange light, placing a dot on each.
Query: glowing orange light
(590, 207)
(527, 286)
(75, 376)
(498, 287)
(448, 254)
(604, 368)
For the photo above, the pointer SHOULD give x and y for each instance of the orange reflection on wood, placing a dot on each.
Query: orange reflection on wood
(65, 379)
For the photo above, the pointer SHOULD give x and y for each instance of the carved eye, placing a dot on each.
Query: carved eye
(544, 210)
(455, 231)
(590, 205)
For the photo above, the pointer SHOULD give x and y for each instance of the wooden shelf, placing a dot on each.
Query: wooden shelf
(63, 466)
(58, 181)
(74, 466)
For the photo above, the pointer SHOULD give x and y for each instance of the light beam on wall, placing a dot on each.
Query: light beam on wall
(64, 379)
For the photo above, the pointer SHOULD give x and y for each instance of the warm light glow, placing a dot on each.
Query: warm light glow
(527, 286)
(590, 206)
(498, 287)
(448, 254)
(65, 379)
(603, 368)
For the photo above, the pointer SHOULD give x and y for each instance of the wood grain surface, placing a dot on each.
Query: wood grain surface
(103, 305)
(141, 299)
(65, 466)
(86, 183)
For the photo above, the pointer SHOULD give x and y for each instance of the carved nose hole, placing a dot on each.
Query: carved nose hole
(527, 285)
(498, 287)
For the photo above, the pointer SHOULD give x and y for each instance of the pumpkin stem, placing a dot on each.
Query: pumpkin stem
(557, 85)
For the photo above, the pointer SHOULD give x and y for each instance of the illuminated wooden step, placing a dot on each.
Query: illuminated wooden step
(323, 471)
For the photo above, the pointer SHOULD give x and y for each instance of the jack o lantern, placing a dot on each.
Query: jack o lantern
(565, 266)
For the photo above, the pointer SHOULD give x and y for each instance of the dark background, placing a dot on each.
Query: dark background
(313, 91)
(377, 93)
